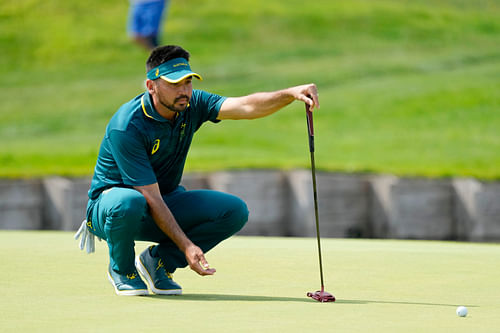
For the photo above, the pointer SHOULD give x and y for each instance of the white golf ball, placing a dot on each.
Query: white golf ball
(462, 311)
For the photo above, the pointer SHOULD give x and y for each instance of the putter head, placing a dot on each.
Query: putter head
(321, 296)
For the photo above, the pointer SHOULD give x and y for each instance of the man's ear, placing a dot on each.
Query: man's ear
(150, 85)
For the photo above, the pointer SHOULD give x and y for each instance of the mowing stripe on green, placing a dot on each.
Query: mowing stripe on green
(260, 286)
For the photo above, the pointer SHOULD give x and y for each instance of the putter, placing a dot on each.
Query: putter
(320, 295)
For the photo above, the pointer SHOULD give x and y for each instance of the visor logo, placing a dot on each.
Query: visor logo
(156, 146)
(157, 72)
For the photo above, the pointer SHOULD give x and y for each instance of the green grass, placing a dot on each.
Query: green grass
(260, 285)
(406, 87)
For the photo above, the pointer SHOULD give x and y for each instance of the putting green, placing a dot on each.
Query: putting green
(48, 284)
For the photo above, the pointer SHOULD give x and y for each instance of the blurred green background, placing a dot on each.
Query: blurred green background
(406, 87)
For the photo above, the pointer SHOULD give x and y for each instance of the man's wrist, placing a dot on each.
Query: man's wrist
(185, 245)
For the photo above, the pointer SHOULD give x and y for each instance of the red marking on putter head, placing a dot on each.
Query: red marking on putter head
(322, 296)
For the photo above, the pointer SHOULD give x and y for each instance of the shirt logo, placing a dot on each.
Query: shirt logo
(156, 146)
(183, 130)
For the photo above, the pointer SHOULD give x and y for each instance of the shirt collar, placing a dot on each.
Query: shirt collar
(148, 110)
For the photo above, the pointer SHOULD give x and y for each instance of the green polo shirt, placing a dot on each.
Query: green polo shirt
(141, 147)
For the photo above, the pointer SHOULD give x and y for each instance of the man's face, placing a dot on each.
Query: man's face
(173, 96)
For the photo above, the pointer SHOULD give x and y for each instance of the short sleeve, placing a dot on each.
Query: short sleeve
(207, 105)
(131, 158)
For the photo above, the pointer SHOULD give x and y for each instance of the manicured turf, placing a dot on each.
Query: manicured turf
(48, 285)
(406, 87)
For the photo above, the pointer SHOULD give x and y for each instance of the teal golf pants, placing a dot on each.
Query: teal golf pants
(121, 216)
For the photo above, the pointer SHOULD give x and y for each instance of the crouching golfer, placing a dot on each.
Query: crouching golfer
(135, 192)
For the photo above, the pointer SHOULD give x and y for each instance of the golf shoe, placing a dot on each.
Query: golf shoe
(153, 270)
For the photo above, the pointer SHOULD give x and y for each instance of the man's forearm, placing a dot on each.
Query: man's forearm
(167, 223)
(163, 217)
(257, 105)
(262, 104)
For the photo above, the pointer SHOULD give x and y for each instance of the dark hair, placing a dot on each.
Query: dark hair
(162, 54)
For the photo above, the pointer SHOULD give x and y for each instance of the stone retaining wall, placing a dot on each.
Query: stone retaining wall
(343, 204)
(281, 204)
(21, 203)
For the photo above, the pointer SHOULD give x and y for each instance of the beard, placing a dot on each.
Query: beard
(173, 107)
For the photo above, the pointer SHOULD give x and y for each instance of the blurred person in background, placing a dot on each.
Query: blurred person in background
(145, 21)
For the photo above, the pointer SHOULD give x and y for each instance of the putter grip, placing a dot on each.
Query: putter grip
(310, 128)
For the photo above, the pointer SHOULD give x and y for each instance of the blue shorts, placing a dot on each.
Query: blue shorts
(145, 18)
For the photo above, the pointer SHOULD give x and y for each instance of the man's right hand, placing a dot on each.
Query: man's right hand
(196, 260)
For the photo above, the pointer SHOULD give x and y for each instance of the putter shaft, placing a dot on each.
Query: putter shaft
(310, 129)
(317, 219)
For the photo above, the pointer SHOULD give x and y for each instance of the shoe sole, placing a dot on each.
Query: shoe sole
(142, 269)
(135, 292)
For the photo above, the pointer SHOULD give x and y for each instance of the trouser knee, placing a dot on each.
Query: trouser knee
(126, 211)
(237, 216)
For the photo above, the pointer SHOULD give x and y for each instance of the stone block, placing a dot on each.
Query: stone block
(465, 210)
(265, 195)
(421, 209)
(20, 204)
(487, 202)
(380, 204)
(343, 204)
(195, 181)
(65, 202)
